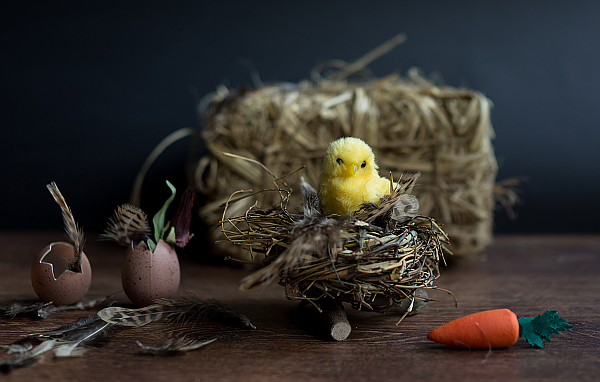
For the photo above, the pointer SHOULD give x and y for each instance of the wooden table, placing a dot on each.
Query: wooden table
(527, 274)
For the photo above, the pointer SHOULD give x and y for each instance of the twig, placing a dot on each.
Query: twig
(334, 315)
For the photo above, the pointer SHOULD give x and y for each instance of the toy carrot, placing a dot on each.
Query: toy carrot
(497, 329)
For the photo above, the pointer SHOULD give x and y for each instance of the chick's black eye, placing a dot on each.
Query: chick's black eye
(339, 160)
(364, 163)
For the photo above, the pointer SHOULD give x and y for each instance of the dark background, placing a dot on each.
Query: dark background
(89, 88)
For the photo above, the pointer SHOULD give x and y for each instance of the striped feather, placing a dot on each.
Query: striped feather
(74, 233)
(129, 223)
(184, 309)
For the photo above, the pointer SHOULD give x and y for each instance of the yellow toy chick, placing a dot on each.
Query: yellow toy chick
(349, 177)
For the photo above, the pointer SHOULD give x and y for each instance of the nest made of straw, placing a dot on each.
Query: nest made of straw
(374, 259)
(412, 125)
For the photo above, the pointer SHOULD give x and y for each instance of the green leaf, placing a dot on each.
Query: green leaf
(171, 236)
(537, 330)
(151, 245)
(166, 228)
(159, 219)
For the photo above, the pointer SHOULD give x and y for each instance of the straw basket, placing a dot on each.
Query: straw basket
(444, 133)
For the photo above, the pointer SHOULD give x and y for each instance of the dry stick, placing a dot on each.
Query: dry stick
(136, 191)
(334, 315)
(369, 57)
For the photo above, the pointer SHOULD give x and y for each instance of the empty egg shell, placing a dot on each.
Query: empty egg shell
(53, 281)
(147, 276)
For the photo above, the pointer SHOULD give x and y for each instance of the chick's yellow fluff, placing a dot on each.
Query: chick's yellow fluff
(350, 177)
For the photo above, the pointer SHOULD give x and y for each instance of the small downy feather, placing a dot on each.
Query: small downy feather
(26, 358)
(64, 329)
(76, 342)
(69, 340)
(74, 233)
(310, 197)
(405, 208)
(396, 208)
(313, 234)
(25, 308)
(174, 346)
(313, 237)
(40, 309)
(76, 337)
(17, 348)
(129, 223)
(184, 309)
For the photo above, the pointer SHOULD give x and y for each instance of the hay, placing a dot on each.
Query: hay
(411, 124)
(375, 259)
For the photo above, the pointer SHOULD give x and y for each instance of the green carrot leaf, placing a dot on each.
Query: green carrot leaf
(526, 331)
(159, 219)
(537, 330)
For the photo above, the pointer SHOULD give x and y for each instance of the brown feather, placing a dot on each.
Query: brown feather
(174, 346)
(183, 309)
(74, 233)
(313, 237)
(129, 223)
(69, 340)
(26, 358)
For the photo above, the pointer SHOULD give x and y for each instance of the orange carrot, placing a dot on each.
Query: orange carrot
(484, 330)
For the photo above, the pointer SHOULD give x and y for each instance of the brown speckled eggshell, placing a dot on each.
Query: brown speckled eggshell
(68, 287)
(147, 276)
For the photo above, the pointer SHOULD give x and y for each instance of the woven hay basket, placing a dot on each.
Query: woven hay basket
(412, 125)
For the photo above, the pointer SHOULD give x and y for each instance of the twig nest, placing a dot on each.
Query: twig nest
(148, 275)
(374, 270)
(53, 281)
(380, 258)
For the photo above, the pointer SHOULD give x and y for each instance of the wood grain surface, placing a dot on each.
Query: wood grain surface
(527, 274)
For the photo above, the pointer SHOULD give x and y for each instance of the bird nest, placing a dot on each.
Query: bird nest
(377, 259)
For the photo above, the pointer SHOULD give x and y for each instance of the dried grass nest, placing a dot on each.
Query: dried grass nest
(381, 258)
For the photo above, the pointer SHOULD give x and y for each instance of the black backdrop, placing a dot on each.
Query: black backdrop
(89, 88)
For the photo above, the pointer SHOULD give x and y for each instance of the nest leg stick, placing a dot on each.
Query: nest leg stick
(335, 318)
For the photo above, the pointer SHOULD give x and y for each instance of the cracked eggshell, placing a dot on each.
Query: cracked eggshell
(147, 276)
(53, 281)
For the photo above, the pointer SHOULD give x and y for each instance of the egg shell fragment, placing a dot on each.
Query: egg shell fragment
(147, 276)
(51, 279)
